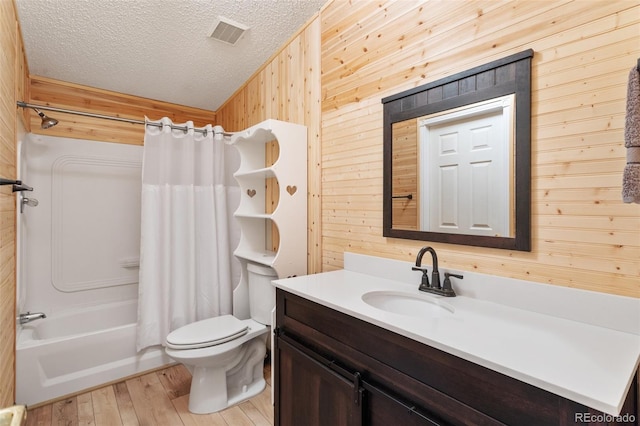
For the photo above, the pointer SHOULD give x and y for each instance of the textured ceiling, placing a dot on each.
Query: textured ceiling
(156, 49)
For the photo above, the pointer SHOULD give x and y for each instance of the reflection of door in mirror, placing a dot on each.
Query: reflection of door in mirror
(465, 169)
(457, 166)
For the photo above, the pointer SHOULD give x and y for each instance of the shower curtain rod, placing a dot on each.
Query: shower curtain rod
(109, 117)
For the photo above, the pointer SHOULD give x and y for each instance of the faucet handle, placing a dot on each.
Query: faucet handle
(446, 285)
(425, 277)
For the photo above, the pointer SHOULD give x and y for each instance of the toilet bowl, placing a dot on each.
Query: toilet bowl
(225, 354)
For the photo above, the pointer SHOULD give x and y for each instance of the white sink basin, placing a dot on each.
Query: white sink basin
(408, 304)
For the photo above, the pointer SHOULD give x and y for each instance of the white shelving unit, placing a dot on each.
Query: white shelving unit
(290, 214)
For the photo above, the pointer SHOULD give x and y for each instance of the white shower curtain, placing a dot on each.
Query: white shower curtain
(184, 249)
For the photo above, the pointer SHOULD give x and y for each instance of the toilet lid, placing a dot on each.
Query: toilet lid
(209, 332)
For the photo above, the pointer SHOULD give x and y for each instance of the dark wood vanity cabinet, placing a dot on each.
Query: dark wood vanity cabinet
(329, 395)
(333, 369)
(315, 388)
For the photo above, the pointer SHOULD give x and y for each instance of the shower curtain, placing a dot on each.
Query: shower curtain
(184, 249)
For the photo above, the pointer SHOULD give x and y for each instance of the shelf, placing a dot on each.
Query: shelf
(263, 173)
(253, 215)
(262, 257)
(254, 151)
(254, 135)
(272, 214)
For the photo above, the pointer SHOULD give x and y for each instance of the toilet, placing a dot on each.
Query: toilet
(225, 354)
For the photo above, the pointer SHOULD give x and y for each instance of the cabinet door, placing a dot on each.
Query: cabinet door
(382, 409)
(309, 393)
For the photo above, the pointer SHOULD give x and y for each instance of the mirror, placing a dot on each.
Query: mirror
(457, 160)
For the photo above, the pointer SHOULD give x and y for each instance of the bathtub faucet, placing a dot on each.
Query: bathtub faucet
(28, 317)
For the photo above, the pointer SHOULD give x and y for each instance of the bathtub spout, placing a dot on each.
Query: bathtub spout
(28, 317)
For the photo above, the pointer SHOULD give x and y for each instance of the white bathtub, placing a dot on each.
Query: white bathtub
(75, 350)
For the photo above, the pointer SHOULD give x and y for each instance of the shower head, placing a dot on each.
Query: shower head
(47, 122)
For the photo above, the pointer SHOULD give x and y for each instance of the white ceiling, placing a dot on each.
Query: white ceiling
(156, 49)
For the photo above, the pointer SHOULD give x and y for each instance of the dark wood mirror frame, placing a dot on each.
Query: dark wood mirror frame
(510, 75)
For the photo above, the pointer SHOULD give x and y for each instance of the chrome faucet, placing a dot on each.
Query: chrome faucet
(28, 317)
(445, 289)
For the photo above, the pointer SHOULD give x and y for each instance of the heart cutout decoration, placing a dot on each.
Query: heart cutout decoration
(291, 189)
(251, 192)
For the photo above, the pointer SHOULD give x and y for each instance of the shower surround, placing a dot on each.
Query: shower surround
(78, 255)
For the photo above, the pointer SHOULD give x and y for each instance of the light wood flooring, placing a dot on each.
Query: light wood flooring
(159, 398)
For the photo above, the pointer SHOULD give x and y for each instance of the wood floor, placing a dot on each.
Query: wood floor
(159, 398)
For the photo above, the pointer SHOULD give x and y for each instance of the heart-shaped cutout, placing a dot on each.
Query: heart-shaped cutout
(251, 192)
(291, 189)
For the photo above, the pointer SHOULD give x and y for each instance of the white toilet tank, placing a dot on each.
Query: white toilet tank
(262, 295)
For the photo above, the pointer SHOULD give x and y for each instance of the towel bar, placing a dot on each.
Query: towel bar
(17, 185)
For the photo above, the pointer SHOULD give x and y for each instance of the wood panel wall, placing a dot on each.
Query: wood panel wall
(13, 71)
(60, 94)
(287, 88)
(583, 235)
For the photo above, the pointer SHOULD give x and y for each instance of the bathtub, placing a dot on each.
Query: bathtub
(70, 351)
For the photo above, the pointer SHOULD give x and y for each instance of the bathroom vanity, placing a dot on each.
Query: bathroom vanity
(345, 355)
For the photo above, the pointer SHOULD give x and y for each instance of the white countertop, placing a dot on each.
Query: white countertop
(588, 364)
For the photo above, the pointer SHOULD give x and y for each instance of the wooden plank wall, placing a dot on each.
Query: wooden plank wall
(13, 70)
(287, 88)
(583, 235)
(60, 94)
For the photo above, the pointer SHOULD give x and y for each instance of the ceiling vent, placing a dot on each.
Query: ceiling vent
(227, 31)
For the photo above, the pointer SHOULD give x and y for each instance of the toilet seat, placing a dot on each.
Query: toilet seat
(208, 332)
